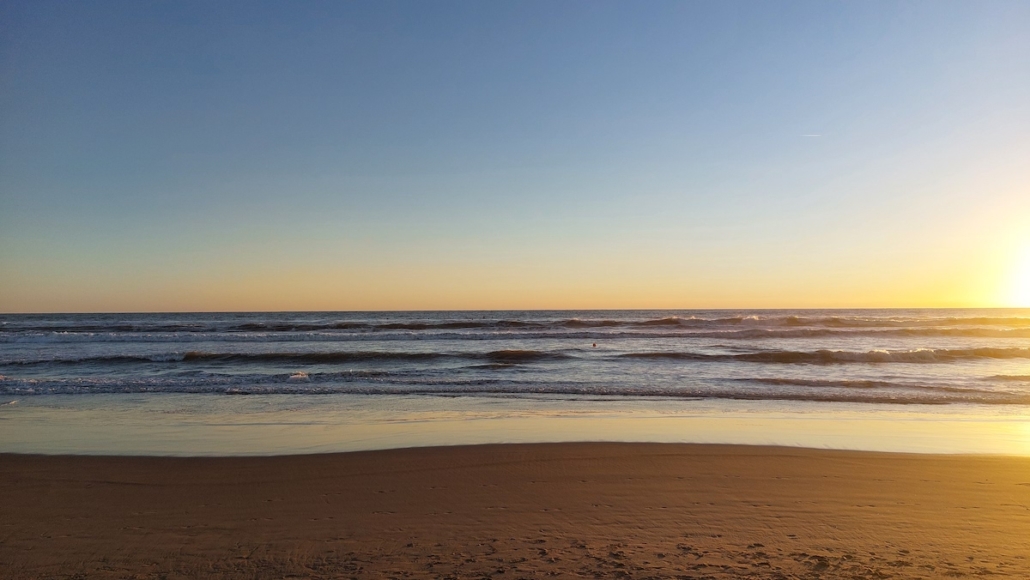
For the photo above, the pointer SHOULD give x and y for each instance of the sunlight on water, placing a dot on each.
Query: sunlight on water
(1022, 429)
(273, 424)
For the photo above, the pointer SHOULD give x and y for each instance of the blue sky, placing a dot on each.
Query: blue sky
(382, 155)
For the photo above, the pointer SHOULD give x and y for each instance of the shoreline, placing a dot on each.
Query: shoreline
(519, 510)
(259, 425)
(463, 446)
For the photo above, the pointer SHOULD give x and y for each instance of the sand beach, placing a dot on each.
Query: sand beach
(586, 510)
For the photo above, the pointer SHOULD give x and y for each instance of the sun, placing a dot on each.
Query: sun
(1020, 292)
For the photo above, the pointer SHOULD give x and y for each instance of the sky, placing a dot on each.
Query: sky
(224, 156)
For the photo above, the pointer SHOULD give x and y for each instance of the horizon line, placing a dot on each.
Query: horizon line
(440, 310)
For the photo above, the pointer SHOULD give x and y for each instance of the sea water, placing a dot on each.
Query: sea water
(896, 380)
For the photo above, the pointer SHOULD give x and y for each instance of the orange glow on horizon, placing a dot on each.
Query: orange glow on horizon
(976, 270)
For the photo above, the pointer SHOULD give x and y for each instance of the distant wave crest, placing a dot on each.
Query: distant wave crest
(755, 321)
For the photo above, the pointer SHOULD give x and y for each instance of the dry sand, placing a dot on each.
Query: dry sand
(518, 511)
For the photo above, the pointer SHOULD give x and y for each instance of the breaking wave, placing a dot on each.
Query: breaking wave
(843, 357)
(859, 384)
(497, 356)
(868, 392)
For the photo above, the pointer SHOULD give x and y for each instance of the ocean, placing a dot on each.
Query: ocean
(392, 366)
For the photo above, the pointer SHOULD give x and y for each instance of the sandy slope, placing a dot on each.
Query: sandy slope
(513, 511)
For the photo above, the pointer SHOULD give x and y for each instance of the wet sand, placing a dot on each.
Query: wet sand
(592, 510)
